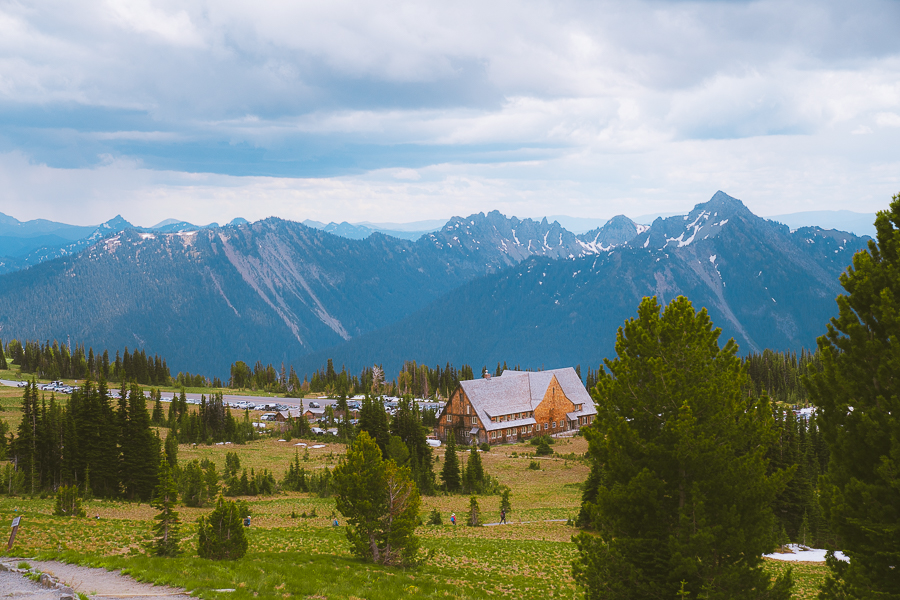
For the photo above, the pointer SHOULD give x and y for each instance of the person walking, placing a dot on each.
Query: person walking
(503, 516)
(453, 518)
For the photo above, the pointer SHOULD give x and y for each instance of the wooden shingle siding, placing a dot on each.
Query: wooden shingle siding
(553, 409)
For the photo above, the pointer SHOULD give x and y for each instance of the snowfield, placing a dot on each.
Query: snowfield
(801, 553)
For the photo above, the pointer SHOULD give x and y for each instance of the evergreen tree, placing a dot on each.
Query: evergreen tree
(3, 364)
(172, 449)
(25, 444)
(191, 484)
(474, 472)
(407, 424)
(139, 447)
(380, 502)
(450, 471)
(373, 420)
(221, 534)
(473, 518)
(678, 452)
(168, 525)
(68, 502)
(158, 418)
(858, 400)
(505, 504)
(211, 481)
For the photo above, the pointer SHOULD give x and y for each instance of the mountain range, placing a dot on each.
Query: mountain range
(480, 290)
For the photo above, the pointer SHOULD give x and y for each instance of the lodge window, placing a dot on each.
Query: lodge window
(449, 419)
(474, 420)
(554, 424)
(546, 425)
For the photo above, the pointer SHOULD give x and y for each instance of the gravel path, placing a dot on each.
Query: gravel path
(16, 585)
(96, 583)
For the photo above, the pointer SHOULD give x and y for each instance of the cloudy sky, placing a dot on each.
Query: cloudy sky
(401, 111)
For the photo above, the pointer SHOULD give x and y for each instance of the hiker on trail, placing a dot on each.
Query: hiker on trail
(335, 523)
(453, 518)
(503, 516)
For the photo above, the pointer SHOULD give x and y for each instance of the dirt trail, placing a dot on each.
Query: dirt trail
(105, 585)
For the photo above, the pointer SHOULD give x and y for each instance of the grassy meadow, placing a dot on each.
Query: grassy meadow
(306, 557)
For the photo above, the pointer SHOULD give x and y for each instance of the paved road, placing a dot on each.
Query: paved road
(229, 398)
(293, 403)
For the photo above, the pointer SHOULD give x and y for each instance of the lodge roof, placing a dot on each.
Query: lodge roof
(522, 391)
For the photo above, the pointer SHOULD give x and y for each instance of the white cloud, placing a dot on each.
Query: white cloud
(528, 106)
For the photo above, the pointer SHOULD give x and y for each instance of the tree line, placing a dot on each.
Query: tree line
(60, 361)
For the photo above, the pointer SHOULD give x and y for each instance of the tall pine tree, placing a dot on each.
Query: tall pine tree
(450, 472)
(168, 525)
(682, 497)
(858, 400)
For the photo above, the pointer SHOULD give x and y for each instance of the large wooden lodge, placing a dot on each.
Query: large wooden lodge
(516, 405)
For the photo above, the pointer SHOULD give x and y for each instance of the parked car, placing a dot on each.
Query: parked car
(315, 405)
(317, 430)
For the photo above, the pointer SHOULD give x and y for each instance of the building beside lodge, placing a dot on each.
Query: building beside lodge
(516, 405)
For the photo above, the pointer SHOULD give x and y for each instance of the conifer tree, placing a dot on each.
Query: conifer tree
(373, 420)
(211, 481)
(157, 418)
(139, 447)
(450, 471)
(407, 424)
(474, 472)
(68, 502)
(380, 502)
(172, 448)
(3, 364)
(221, 534)
(505, 504)
(678, 459)
(168, 525)
(473, 519)
(858, 399)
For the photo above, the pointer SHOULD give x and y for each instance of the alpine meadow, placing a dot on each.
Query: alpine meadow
(681, 465)
(470, 300)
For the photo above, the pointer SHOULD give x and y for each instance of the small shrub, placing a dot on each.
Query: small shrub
(68, 502)
(24, 565)
(474, 519)
(534, 466)
(543, 448)
(485, 447)
(434, 518)
(537, 441)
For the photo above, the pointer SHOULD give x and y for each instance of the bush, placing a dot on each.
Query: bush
(534, 466)
(434, 518)
(542, 439)
(485, 447)
(474, 519)
(68, 502)
(543, 448)
(222, 534)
